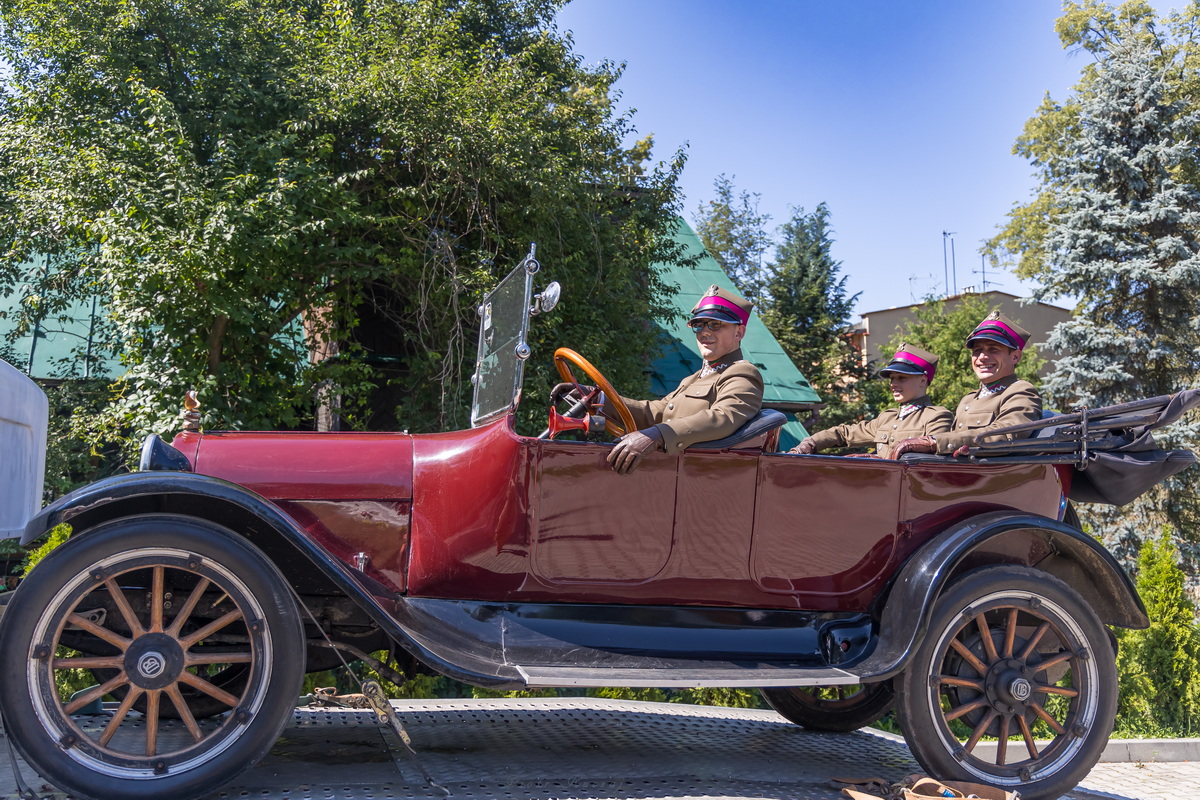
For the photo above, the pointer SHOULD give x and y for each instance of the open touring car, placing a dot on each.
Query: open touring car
(200, 589)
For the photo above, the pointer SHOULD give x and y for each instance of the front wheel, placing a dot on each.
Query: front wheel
(832, 709)
(161, 605)
(1015, 656)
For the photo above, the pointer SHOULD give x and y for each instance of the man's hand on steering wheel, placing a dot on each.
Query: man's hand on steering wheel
(571, 392)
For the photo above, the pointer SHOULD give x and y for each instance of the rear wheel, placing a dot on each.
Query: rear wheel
(159, 605)
(1017, 657)
(834, 709)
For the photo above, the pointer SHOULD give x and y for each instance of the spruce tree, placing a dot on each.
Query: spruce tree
(1125, 242)
(807, 309)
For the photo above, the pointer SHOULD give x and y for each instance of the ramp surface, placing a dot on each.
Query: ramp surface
(554, 749)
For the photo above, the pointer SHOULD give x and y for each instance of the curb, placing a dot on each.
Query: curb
(1117, 751)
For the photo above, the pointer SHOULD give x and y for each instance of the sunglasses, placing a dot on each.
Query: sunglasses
(714, 325)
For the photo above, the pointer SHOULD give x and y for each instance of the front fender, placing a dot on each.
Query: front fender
(202, 496)
(998, 537)
(309, 568)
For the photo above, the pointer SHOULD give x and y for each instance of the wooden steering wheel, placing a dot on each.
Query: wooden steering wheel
(564, 357)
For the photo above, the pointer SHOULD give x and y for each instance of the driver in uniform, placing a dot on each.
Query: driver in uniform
(709, 404)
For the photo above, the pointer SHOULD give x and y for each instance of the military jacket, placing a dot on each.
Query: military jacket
(1015, 402)
(703, 408)
(885, 430)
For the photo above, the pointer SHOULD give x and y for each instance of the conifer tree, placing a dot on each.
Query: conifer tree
(807, 309)
(1160, 666)
(1125, 242)
(734, 232)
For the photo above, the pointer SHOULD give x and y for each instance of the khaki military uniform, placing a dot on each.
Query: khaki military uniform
(1016, 401)
(887, 429)
(703, 408)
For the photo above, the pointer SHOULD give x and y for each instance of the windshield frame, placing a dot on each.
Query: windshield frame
(503, 346)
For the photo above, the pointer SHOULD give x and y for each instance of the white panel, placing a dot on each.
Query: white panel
(24, 413)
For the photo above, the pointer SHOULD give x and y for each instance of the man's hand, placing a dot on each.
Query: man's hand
(631, 447)
(963, 451)
(804, 448)
(570, 392)
(917, 444)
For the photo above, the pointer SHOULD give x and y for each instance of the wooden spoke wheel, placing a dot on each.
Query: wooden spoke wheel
(184, 619)
(1015, 684)
(565, 358)
(834, 709)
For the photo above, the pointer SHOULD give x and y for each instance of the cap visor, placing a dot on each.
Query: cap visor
(994, 337)
(718, 314)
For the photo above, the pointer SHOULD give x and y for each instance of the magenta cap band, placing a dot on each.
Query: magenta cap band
(713, 300)
(1012, 335)
(904, 355)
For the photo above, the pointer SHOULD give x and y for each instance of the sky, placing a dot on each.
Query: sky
(900, 117)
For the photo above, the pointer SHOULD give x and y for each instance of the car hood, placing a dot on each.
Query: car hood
(305, 466)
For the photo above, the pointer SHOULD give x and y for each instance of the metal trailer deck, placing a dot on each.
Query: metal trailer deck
(578, 748)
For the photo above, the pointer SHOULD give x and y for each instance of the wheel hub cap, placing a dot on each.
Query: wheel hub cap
(1007, 688)
(151, 664)
(153, 661)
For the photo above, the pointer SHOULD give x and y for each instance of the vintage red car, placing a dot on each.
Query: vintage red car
(958, 590)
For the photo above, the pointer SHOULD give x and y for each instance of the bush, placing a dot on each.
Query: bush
(1159, 667)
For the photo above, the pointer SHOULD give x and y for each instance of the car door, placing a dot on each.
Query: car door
(825, 528)
(593, 526)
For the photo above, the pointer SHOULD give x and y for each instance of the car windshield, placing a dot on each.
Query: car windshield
(500, 359)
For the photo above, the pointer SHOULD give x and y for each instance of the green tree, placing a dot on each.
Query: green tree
(807, 309)
(1160, 666)
(1090, 26)
(734, 232)
(942, 328)
(1117, 225)
(242, 182)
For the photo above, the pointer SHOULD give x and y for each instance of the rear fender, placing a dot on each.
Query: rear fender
(999, 537)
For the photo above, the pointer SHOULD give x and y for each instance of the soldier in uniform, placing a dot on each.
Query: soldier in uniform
(709, 404)
(1002, 398)
(910, 372)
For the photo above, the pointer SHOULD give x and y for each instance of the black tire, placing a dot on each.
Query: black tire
(832, 709)
(1071, 517)
(91, 604)
(1045, 656)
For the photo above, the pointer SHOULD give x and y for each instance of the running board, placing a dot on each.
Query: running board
(721, 676)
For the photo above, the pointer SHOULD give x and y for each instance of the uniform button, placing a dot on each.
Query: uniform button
(670, 405)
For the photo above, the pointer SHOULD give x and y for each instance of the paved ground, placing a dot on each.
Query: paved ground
(557, 749)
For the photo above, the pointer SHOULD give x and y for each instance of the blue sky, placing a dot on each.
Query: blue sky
(901, 117)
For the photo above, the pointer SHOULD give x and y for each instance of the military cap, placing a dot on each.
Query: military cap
(718, 303)
(998, 328)
(912, 360)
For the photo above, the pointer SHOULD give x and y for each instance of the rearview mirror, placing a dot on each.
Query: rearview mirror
(547, 300)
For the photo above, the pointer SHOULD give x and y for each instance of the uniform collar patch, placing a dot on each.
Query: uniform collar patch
(716, 366)
(996, 388)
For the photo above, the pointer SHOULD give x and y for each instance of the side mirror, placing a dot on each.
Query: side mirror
(547, 300)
